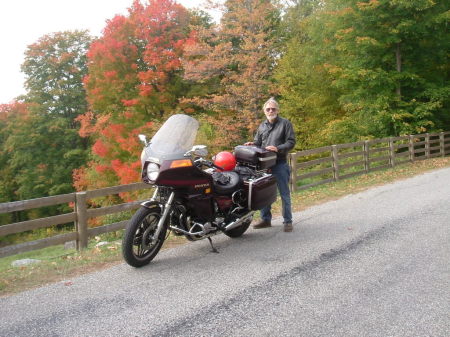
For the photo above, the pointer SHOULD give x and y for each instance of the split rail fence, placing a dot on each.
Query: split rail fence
(308, 168)
(331, 163)
(79, 217)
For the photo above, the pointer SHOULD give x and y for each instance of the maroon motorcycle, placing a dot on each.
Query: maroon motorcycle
(195, 197)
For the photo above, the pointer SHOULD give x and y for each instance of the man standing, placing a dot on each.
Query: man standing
(276, 134)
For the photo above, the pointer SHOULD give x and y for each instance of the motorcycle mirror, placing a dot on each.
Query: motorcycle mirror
(200, 150)
(143, 139)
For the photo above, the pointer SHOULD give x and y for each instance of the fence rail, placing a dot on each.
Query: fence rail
(308, 168)
(79, 218)
(331, 163)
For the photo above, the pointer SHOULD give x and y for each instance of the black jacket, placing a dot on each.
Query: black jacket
(280, 134)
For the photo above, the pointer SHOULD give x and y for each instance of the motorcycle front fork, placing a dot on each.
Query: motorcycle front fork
(166, 210)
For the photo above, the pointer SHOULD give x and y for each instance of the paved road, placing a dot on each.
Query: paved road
(370, 264)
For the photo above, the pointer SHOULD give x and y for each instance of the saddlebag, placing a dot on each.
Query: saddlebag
(255, 157)
(261, 192)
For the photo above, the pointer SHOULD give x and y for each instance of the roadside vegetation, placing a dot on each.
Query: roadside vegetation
(60, 265)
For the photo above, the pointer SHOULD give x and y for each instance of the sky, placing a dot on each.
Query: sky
(23, 22)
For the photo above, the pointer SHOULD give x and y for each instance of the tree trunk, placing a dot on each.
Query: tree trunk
(398, 56)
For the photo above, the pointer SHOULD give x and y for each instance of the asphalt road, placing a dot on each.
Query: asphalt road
(370, 264)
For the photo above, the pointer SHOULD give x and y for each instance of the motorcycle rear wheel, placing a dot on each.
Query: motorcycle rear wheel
(238, 231)
(137, 250)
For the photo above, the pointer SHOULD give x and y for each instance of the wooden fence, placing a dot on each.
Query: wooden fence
(309, 168)
(79, 217)
(331, 163)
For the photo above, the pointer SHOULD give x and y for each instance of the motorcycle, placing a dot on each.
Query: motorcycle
(195, 197)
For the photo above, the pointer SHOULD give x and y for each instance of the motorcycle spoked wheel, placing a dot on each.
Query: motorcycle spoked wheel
(136, 249)
(238, 231)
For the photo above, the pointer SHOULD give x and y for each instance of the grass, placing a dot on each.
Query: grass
(58, 264)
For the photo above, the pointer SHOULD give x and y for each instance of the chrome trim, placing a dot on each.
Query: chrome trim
(167, 208)
(250, 189)
(239, 221)
(155, 194)
(267, 158)
(205, 229)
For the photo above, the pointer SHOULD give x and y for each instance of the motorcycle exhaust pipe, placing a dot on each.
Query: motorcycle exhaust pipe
(239, 221)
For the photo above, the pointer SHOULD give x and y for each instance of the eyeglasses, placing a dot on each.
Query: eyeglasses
(271, 109)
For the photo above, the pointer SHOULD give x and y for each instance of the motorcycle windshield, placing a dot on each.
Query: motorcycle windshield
(175, 137)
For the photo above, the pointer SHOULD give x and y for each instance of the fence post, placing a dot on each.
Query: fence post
(441, 143)
(335, 155)
(293, 165)
(81, 223)
(391, 151)
(411, 148)
(366, 155)
(427, 145)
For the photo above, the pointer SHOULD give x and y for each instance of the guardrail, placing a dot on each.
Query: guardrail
(308, 168)
(331, 163)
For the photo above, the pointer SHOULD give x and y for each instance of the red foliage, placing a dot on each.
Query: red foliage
(90, 125)
(131, 71)
(127, 173)
(80, 179)
(100, 149)
(13, 110)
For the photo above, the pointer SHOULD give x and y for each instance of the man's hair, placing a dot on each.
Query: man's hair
(271, 100)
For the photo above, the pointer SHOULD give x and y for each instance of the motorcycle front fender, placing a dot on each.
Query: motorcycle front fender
(152, 203)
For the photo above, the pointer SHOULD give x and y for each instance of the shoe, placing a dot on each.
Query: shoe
(262, 224)
(288, 227)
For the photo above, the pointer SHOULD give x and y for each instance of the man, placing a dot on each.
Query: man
(276, 134)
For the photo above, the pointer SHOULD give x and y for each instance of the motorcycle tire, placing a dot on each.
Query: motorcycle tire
(136, 237)
(238, 231)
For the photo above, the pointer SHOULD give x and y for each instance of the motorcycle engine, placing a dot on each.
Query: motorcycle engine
(178, 218)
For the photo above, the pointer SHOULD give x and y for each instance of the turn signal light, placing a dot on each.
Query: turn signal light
(181, 163)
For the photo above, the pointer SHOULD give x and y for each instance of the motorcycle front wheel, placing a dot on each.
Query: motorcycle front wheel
(137, 247)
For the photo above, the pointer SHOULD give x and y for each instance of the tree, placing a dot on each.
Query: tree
(375, 59)
(134, 79)
(54, 68)
(395, 79)
(235, 60)
(46, 147)
(10, 118)
(306, 98)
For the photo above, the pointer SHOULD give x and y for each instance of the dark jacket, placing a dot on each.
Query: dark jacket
(280, 134)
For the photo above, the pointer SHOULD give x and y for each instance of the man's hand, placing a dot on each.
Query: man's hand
(249, 143)
(272, 148)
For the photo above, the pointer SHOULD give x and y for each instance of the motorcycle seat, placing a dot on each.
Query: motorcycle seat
(226, 182)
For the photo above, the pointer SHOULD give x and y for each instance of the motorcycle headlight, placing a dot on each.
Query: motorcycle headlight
(152, 171)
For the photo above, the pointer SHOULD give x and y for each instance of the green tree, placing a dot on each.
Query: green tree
(54, 68)
(10, 117)
(306, 98)
(46, 148)
(385, 62)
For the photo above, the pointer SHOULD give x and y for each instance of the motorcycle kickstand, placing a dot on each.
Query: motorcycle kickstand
(214, 250)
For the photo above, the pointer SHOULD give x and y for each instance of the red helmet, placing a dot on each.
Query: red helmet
(226, 160)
